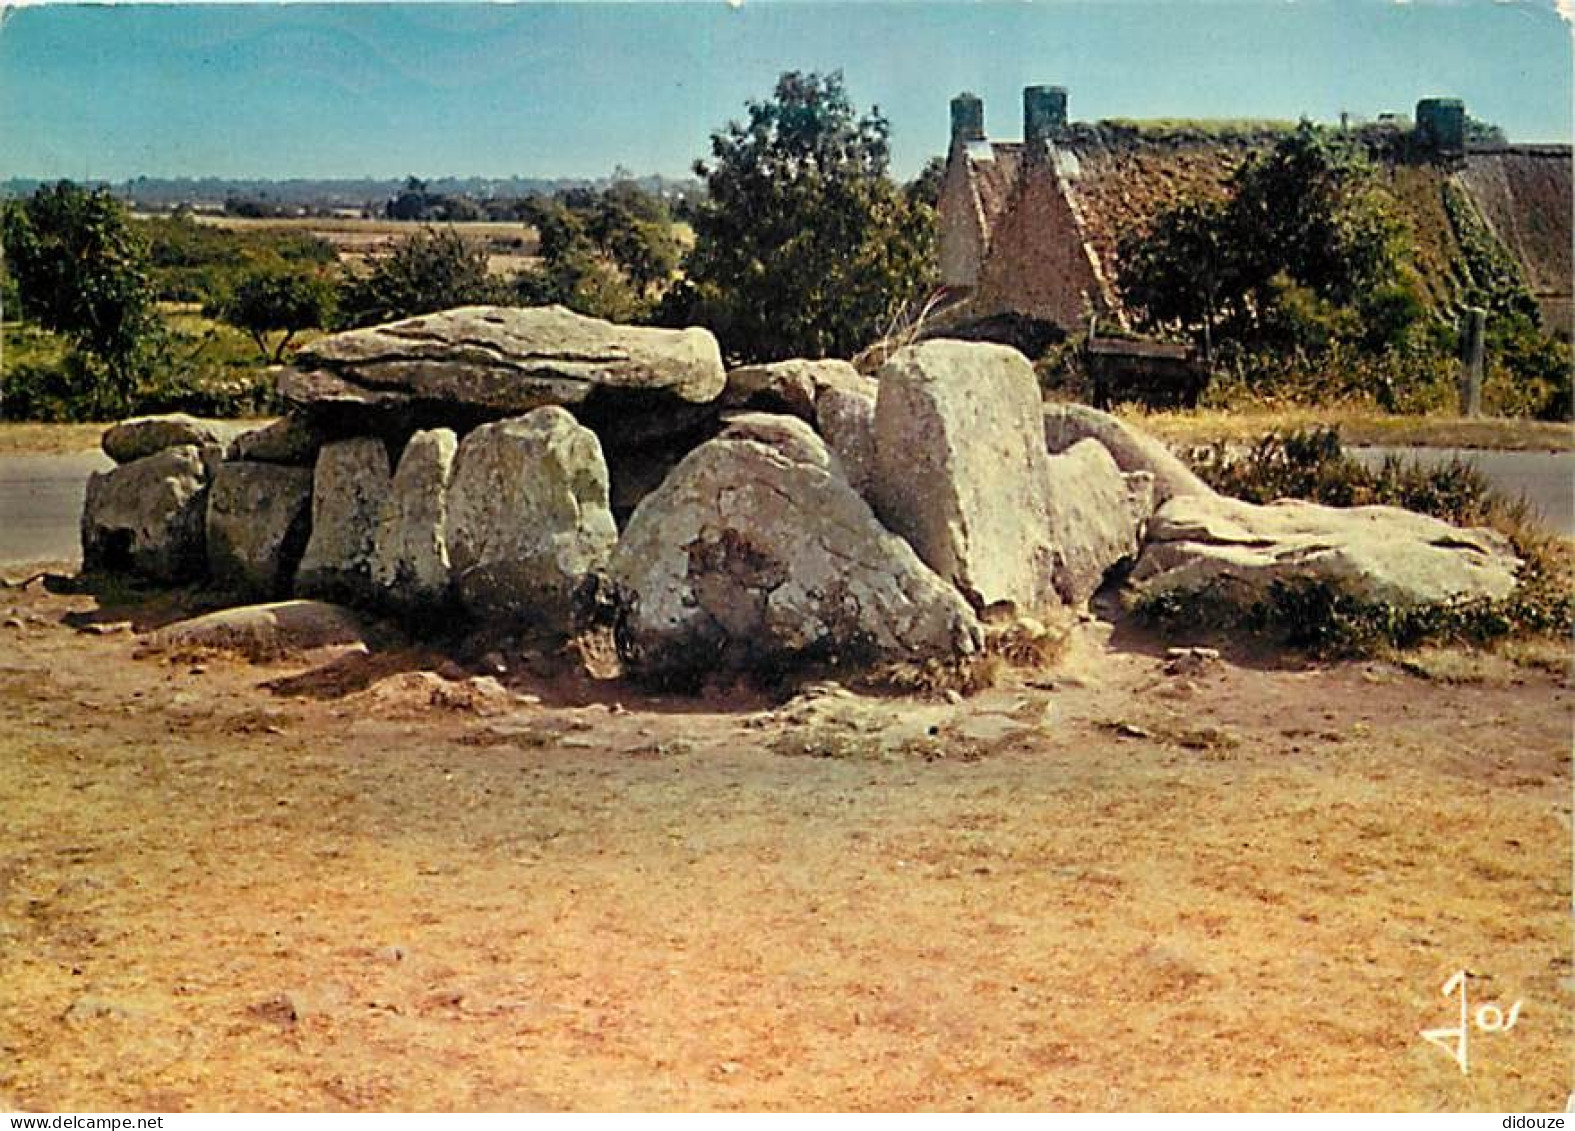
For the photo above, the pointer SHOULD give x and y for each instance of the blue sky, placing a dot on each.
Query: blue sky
(573, 89)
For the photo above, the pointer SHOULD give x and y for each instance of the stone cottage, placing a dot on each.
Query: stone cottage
(1031, 228)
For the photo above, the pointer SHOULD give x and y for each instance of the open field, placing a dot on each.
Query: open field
(351, 229)
(378, 887)
(511, 245)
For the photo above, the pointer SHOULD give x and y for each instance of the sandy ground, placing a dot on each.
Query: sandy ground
(1111, 886)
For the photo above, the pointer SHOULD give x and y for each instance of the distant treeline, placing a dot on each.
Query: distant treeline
(305, 196)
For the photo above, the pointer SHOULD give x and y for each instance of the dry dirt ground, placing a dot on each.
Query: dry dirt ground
(1107, 886)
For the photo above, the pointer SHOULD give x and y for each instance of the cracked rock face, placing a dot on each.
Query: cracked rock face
(1237, 550)
(528, 517)
(146, 516)
(960, 469)
(755, 552)
(503, 361)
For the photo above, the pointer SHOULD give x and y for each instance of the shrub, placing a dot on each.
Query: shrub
(435, 269)
(274, 300)
(804, 246)
(81, 270)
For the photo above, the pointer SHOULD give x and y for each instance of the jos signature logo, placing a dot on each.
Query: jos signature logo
(1490, 1018)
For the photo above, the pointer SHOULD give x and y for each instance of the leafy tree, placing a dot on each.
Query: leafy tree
(1184, 271)
(434, 269)
(81, 270)
(279, 299)
(804, 246)
(1303, 242)
(1312, 210)
(610, 254)
(926, 187)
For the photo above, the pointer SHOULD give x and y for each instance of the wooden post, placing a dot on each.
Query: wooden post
(1472, 353)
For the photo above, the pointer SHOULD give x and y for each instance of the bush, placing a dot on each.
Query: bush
(62, 392)
(804, 246)
(435, 269)
(1311, 464)
(81, 270)
(192, 262)
(1416, 378)
(274, 301)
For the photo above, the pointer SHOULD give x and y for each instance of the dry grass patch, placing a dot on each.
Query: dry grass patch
(1357, 426)
(48, 439)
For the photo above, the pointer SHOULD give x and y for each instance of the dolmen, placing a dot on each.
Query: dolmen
(514, 467)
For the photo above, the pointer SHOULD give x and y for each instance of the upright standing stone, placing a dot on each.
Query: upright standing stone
(258, 518)
(846, 418)
(528, 517)
(410, 567)
(349, 488)
(1097, 515)
(960, 470)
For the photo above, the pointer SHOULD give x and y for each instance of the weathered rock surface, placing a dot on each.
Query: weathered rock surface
(756, 552)
(350, 486)
(263, 632)
(289, 440)
(793, 387)
(259, 515)
(410, 566)
(504, 361)
(147, 435)
(1097, 514)
(845, 418)
(1134, 450)
(1235, 551)
(960, 467)
(146, 516)
(528, 517)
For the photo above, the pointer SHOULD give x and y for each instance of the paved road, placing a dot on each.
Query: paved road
(40, 502)
(41, 495)
(1546, 479)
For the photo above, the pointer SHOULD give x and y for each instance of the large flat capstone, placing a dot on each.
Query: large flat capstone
(503, 361)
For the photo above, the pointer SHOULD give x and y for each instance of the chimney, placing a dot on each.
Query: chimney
(1441, 125)
(1044, 116)
(967, 119)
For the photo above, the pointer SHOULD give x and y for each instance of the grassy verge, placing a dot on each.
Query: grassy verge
(48, 439)
(1357, 427)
